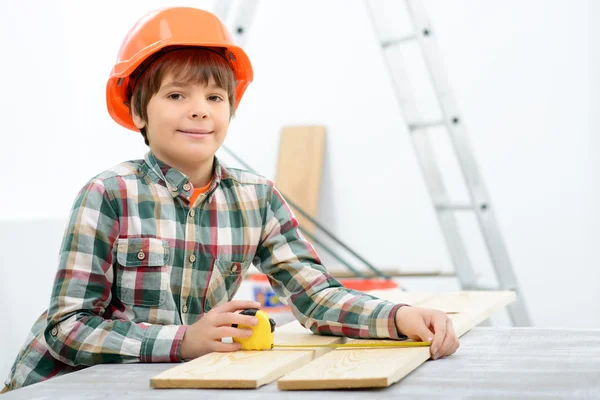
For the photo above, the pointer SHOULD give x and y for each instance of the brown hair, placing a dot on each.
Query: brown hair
(195, 65)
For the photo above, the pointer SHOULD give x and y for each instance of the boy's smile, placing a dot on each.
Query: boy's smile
(196, 133)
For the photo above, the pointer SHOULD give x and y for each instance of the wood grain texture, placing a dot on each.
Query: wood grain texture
(399, 296)
(368, 368)
(252, 369)
(245, 369)
(345, 369)
(298, 176)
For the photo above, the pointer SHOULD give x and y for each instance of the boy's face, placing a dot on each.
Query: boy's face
(187, 122)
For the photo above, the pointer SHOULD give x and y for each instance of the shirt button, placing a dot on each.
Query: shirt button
(141, 255)
(192, 258)
(174, 189)
(234, 268)
(184, 308)
(186, 187)
(192, 213)
(54, 332)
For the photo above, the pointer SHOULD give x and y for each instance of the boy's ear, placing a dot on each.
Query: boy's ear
(137, 120)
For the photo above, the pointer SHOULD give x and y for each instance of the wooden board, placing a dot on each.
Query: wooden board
(400, 296)
(252, 369)
(298, 176)
(450, 303)
(246, 369)
(320, 368)
(480, 306)
(368, 368)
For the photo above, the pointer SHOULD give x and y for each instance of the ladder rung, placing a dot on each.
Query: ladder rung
(392, 42)
(455, 207)
(422, 125)
(461, 207)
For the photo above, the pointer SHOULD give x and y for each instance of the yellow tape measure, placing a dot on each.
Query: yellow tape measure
(357, 345)
(262, 337)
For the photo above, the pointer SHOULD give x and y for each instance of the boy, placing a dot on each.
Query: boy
(155, 248)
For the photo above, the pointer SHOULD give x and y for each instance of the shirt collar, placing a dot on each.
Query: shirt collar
(176, 181)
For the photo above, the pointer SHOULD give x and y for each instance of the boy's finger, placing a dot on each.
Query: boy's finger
(229, 331)
(450, 328)
(439, 326)
(226, 347)
(236, 305)
(230, 318)
(424, 333)
(448, 341)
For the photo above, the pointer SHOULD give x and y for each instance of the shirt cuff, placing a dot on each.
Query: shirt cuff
(162, 343)
(385, 322)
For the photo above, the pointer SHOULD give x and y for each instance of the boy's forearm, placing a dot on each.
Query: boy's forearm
(344, 312)
(318, 300)
(85, 339)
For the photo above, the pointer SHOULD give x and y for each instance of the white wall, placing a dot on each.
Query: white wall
(524, 75)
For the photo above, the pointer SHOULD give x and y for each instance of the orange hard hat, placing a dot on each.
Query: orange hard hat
(176, 26)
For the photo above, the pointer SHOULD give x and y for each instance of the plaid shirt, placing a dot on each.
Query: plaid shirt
(138, 263)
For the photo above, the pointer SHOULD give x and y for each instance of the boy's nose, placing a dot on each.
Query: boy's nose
(197, 114)
(199, 111)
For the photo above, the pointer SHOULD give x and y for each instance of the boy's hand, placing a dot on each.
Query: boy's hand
(428, 325)
(205, 335)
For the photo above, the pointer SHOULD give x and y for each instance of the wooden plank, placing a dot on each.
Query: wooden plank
(462, 302)
(481, 306)
(367, 368)
(252, 369)
(298, 176)
(245, 369)
(399, 296)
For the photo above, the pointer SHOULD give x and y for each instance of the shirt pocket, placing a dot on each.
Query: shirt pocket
(142, 274)
(225, 280)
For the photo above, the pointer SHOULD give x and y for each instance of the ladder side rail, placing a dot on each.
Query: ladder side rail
(480, 198)
(429, 168)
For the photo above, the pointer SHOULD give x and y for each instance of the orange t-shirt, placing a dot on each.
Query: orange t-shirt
(199, 191)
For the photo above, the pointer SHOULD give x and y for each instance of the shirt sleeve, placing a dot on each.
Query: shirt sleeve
(317, 300)
(76, 332)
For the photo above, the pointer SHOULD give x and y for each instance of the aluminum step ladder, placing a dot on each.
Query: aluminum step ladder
(452, 122)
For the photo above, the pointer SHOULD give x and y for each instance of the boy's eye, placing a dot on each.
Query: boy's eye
(175, 96)
(215, 98)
